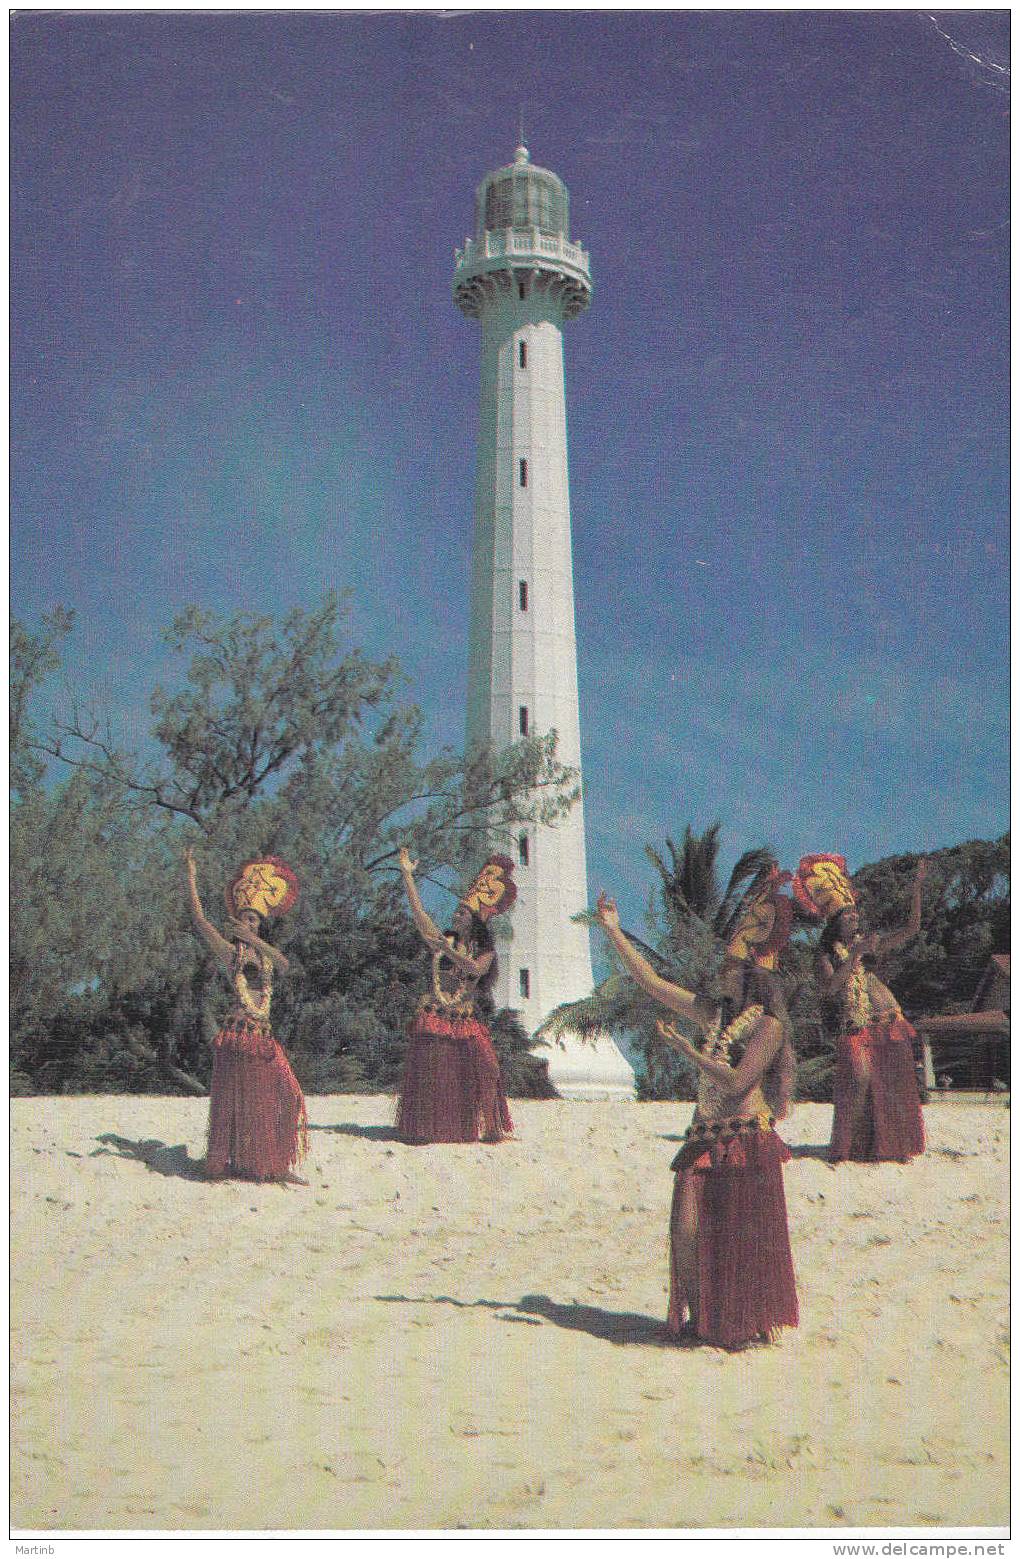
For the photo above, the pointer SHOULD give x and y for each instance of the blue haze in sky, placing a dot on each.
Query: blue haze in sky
(239, 379)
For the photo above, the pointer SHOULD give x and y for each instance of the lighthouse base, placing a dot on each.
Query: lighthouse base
(591, 1069)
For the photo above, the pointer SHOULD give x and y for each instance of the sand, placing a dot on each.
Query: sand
(468, 1336)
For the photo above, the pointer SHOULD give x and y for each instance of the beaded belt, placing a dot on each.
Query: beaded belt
(460, 1011)
(708, 1133)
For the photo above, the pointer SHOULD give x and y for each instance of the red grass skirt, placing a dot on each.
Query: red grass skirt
(258, 1126)
(894, 1127)
(746, 1286)
(452, 1090)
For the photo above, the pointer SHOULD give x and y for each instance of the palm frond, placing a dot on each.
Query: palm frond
(753, 867)
(590, 1016)
(695, 869)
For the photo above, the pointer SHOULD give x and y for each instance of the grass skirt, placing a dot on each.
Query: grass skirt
(258, 1126)
(893, 1126)
(746, 1286)
(451, 1090)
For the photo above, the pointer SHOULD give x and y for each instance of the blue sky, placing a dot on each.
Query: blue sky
(239, 379)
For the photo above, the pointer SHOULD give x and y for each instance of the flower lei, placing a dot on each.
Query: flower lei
(460, 997)
(719, 1046)
(857, 997)
(256, 1007)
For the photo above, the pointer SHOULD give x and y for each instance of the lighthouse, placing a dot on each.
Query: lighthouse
(522, 278)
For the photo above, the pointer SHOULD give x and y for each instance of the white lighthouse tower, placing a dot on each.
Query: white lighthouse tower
(521, 278)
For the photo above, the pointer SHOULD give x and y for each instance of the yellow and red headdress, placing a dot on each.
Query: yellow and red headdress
(493, 891)
(764, 925)
(821, 886)
(267, 885)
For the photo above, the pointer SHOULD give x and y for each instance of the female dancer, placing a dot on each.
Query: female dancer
(877, 1107)
(452, 1090)
(730, 1264)
(258, 1127)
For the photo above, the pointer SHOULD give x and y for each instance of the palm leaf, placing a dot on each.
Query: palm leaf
(752, 869)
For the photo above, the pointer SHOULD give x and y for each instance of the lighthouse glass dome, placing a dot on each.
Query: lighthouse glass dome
(523, 197)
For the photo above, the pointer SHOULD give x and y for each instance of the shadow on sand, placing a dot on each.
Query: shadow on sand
(616, 1326)
(154, 1154)
(349, 1129)
(810, 1150)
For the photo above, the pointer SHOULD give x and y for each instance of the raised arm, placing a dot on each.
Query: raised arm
(430, 933)
(762, 1048)
(663, 991)
(217, 944)
(427, 928)
(888, 941)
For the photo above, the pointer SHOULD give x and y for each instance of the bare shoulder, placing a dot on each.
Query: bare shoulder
(768, 1032)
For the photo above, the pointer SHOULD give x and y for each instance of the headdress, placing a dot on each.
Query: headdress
(493, 890)
(764, 924)
(267, 885)
(821, 886)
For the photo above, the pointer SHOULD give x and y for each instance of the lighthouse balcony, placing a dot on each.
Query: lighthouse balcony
(525, 242)
(492, 260)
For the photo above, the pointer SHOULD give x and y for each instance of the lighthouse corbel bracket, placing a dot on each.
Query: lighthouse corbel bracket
(493, 264)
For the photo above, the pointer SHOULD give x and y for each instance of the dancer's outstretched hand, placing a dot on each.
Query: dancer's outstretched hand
(672, 1035)
(406, 863)
(189, 861)
(606, 911)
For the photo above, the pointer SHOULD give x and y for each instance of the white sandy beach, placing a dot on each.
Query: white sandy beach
(468, 1336)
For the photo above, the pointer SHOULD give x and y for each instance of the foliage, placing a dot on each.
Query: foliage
(692, 902)
(691, 918)
(33, 659)
(964, 920)
(965, 909)
(277, 739)
(280, 738)
(525, 1074)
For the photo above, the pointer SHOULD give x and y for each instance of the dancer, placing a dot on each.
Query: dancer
(452, 1090)
(258, 1127)
(731, 1270)
(877, 1106)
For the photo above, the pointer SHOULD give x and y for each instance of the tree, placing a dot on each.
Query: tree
(34, 657)
(691, 919)
(278, 739)
(964, 920)
(78, 870)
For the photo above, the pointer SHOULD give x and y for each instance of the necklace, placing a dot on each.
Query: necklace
(256, 1005)
(857, 997)
(719, 1045)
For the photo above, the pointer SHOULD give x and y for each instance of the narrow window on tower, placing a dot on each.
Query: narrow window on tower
(523, 853)
(522, 719)
(523, 472)
(520, 290)
(522, 353)
(522, 594)
(525, 983)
